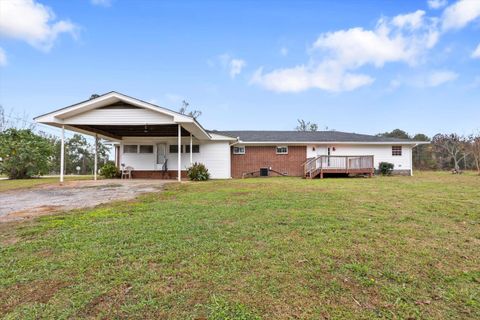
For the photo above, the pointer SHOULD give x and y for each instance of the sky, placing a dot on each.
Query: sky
(357, 66)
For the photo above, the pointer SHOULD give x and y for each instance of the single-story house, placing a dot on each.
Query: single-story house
(160, 143)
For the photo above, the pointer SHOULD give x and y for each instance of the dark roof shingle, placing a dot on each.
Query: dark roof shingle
(305, 136)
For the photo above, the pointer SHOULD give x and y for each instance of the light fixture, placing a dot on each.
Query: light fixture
(146, 129)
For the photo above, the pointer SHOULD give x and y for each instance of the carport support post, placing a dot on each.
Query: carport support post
(179, 164)
(191, 145)
(96, 160)
(62, 154)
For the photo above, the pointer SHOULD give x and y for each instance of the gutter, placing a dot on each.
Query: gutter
(236, 142)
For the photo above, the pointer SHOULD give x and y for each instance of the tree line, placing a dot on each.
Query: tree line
(26, 151)
(25, 154)
(446, 151)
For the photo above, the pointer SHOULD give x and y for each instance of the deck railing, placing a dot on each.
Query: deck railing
(338, 164)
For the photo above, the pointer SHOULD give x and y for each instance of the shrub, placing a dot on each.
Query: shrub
(24, 154)
(386, 168)
(109, 170)
(198, 172)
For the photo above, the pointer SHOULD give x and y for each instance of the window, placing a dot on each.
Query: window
(173, 148)
(238, 150)
(195, 148)
(146, 149)
(130, 148)
(396, 150)
(282, 150)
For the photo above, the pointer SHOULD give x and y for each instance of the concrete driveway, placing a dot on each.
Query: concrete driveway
(45, 199)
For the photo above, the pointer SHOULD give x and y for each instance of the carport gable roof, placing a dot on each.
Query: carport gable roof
(105, 100)
(60, 117)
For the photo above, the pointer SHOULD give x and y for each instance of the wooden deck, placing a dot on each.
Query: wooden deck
(317, 167)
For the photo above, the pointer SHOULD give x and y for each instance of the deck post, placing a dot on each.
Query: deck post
(191, 149)
(411, 161)
(179, 164)
(62, 154)
(95, 164)
(372, 165)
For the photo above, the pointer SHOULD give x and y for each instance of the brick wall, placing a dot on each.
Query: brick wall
(257, 157)
(157, 174)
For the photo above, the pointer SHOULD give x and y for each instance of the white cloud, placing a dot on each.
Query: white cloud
(32, 22)
(236, 66)
(3, 58)
(335, 56)
(476, 52)
(412, 20)
(437, 4)
(103, 3)
(403, 38)
(436, 78)
(326, 76)
(429, 79)
(233, 65)
(459, 14)
(284, 51)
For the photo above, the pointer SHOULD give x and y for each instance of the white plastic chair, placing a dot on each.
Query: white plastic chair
(127, 172)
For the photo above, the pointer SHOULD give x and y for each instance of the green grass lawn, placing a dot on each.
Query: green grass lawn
(275, 248)
(6, 185)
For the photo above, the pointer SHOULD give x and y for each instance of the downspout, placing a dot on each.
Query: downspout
(232, 144)
(62, 154)
(411, 160)
(179, 156)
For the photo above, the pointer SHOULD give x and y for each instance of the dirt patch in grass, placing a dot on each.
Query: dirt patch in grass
(10, 241)
(27, 214)
(40, 291)
(107, 304)
(240, 193)
(8, 234)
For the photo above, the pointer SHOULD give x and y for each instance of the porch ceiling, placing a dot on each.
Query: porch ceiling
(119, 131)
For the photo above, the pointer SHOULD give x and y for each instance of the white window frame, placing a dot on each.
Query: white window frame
(395, 153)
(238, 148)
(145, 145)
(179, 148)
(136, 145)
(187, 148)
(278, 147)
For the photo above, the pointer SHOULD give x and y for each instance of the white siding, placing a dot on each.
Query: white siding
(311, 153)
(139, 161)
(119, 117)
(381, 153)
(215, 155)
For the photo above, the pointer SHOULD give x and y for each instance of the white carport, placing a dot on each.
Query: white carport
(118, 118)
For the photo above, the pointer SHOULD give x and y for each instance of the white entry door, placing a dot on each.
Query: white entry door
(161, 156)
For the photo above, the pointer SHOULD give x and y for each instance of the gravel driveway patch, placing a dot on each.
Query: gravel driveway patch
(27, 203)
